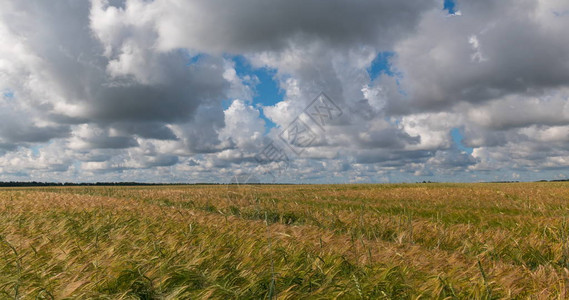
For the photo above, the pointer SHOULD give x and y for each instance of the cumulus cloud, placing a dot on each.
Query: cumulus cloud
(494, 49)
(243, 126)
(149, 91)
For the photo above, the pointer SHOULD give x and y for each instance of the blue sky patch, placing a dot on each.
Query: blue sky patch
(191, 59)
(381, 65)
(194, 59)
(450, 6)
(457, 139)
(8, 94)
(36, 150)
(267, 90)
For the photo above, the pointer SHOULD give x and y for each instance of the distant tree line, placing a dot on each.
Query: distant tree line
(40, 184)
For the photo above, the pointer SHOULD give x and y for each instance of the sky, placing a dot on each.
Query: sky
(296, 91)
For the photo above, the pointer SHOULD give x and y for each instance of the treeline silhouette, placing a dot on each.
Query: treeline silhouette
(47, 184)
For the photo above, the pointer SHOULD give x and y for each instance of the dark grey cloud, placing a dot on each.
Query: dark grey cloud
(173, 99)
(451, 159)
(391, 158)
(33, 134)
(160, 161)
(388, 138)
(493, 49)
(256, 25)
(4, 147)
(79, 88)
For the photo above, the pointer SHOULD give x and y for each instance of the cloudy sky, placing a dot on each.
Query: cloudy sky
(195, 91)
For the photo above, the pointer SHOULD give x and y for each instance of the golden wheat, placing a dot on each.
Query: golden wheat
(409, 241)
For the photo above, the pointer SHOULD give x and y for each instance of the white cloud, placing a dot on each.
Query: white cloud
(243, 126)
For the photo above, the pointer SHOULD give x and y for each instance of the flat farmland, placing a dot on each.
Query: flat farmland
(405, 241)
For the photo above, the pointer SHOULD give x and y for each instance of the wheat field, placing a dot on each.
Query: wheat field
(405, 241)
